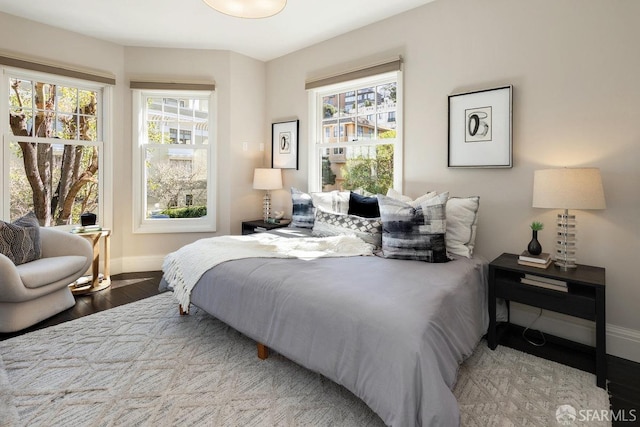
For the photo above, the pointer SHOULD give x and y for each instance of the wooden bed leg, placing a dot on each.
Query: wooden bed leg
(182, 312)
(263, 351)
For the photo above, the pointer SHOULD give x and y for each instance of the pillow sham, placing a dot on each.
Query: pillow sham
(302, 211)
(20, 240)
(462, 220)
(335, 224)
(332, 201)
(415, 230)
(396, 195)
(363, 206)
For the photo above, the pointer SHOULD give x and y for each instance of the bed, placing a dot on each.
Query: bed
(393, 332)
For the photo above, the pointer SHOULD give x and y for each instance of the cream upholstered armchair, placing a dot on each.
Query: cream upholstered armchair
(36, 290)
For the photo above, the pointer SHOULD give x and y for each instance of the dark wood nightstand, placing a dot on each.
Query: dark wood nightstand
(258, 226)
(584, 298)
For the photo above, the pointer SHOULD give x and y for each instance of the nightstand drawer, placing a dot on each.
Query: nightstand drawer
(548, 299)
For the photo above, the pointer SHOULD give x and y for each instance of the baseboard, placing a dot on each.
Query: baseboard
(621, 342)
(136, 264)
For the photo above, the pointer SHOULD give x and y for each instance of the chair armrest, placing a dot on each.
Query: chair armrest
(9, 276)
(60, 243)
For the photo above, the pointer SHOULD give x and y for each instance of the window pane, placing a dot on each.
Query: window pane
(347, 104)
(21, 94)
(369, 168)
(362, 114)
(177, 121)
(67, 99)
(330, 106)
(176, 182)
(366, 100)
(59, 201)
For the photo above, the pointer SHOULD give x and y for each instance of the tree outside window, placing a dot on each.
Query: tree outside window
(54, 150)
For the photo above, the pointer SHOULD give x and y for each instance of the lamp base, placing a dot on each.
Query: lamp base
(566, 241)
(266, 206)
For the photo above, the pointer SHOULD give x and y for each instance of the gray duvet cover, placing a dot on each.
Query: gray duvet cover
(393, 332)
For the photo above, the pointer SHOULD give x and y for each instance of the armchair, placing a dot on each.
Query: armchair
(36, 290)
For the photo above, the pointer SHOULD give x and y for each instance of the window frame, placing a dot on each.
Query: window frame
(103, 139)
(141, 224)
(316, 147)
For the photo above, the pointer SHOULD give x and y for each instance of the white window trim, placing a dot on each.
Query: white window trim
(315, 131)
(142, 225)
(105, 145)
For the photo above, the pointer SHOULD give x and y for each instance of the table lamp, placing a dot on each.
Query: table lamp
(267, 179)
(567, 188)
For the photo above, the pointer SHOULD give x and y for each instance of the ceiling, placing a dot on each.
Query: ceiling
(192, 24)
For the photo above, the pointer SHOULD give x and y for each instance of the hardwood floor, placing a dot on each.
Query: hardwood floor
(623, 375)
(125, 288)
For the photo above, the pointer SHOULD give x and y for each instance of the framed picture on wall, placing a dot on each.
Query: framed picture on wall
(284, 140)
(480, 129)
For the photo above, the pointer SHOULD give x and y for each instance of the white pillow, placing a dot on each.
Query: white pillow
(332, 201)
(406, 199)
(462, 219)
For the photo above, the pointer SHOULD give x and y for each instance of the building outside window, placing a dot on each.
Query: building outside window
(174, 162)
(53, 145)
(366, 152)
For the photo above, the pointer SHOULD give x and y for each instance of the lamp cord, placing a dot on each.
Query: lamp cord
(537, 344)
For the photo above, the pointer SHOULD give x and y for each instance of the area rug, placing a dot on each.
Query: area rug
(142, 364)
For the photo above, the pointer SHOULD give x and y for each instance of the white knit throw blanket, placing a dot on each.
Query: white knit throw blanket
(183, 268)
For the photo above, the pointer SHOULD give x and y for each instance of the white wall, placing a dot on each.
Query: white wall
(574, 66)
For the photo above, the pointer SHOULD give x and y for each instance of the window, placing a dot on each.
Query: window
(53, 146)
(173, 161)
(366, 152)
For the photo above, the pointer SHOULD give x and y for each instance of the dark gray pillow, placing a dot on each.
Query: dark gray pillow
(20, 240)
(414, 230)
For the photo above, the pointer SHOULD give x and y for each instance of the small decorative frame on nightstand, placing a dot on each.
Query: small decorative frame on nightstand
(583, 298)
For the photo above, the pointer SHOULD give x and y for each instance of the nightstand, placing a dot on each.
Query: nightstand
(584, 298)
(258, 226)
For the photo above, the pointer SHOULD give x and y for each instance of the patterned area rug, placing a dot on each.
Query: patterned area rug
(143, 364)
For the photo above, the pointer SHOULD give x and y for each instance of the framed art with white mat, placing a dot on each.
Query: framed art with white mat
(480, 129)
(284, 142)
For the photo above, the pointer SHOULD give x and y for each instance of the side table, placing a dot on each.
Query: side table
(95, 284)
(257, 226)
(584, 298)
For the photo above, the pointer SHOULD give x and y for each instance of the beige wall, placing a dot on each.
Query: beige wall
(574, 66)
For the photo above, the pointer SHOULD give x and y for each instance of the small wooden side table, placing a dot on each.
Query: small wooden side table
(95, 284)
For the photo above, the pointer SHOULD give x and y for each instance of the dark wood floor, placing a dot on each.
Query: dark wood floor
(623, 375)
(125, 288)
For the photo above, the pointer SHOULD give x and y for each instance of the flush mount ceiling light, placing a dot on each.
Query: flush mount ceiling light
(252, 9)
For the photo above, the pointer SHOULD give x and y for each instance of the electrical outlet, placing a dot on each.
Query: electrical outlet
(245, 146)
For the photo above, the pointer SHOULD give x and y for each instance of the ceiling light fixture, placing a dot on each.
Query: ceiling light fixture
(252, 9)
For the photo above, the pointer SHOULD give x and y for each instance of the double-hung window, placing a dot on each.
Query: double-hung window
(356, 134)
(52, 147)
(174, 179)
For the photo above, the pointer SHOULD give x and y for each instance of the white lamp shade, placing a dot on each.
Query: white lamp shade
(267, 179)
(252, 9)
(568, 188)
